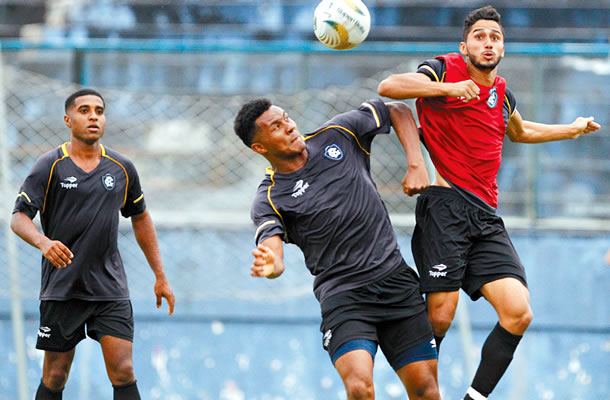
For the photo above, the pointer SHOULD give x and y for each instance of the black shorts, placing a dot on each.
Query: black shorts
(457, 245)
(390, 312)
(62, 323)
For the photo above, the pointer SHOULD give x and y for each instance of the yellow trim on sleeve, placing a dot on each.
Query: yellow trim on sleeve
(261, 226)
(431, 70)
(342, 128)
(139, 198)
(24, 194)
(510, 109)
(374, 113)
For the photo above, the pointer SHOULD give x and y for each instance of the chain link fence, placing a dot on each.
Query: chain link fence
(199, 179)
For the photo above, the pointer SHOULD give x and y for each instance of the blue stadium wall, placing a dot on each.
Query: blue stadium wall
(230, 349)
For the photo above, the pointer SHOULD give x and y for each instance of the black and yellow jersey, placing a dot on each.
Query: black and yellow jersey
(81, 209)
(331, 208)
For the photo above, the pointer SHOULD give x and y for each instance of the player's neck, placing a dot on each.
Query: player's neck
(482, 77)
(287, 166)
(86, 156)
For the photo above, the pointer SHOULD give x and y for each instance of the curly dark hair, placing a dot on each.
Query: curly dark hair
(244, 124)
(487, 12)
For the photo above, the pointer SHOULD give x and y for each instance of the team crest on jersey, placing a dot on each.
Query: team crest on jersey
(108, 181)
(333, 152)
(493, 98)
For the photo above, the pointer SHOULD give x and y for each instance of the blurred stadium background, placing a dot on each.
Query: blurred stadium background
(175, 72)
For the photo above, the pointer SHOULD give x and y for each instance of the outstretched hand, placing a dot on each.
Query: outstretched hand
(584, 126)
(264, 262)
(163, 289)
(415, 181)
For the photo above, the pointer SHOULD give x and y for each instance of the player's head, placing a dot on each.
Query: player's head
(483, 38)
(82, 92)
(245, 121)
(85, 115)
(267, 129)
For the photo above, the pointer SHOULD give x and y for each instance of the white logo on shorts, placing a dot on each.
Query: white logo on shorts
(440, 271)
(327, 336)
(44, 332)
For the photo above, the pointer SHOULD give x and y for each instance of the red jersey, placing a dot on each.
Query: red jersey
(465, 139)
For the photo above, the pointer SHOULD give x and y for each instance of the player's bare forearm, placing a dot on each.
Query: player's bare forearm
(522, 131)
(415, 85)
(146, 236)
(53, 250)
(268, 258)
(416, 178)
(144, 231)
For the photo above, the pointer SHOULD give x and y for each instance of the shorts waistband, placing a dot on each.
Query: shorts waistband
(442, 191)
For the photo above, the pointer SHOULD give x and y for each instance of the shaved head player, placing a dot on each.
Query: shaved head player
(79, 189)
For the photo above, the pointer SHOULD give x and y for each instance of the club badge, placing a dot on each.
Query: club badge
(108, 181)
(333, 152)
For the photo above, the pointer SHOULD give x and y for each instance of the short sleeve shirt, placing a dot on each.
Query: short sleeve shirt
(331, 208)
(81, 210)
(435, 70)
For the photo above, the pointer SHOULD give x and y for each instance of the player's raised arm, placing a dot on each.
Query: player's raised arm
(522, 131)
(414, 84)
(416, 179)
(53, 250)
(268, 258)
(145, 234)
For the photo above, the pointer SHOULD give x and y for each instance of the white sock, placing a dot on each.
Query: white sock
(475, 395)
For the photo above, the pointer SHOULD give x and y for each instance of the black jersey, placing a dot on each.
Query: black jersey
(81, 210)
(331, 208)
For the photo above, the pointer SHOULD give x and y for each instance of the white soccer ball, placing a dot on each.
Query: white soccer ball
(341, 24)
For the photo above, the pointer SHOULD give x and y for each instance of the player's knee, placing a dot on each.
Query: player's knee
(122, 373)
(55, 378)
(525, 319)
(440, 321)
(518, 321)
(359, 388)
(426, 392)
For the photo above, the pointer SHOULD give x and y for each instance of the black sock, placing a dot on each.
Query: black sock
(44, 393)
(128, 391)
(438, 340)
(496, 355)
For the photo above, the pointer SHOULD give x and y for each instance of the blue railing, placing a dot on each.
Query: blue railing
(282, 46)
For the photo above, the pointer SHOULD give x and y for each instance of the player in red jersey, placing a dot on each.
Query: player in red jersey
(465, 109)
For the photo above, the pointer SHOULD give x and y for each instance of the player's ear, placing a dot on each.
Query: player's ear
(259, 148)
(67, 121)
(463, 49)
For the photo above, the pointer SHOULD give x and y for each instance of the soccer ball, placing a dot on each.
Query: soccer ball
(341, 24)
